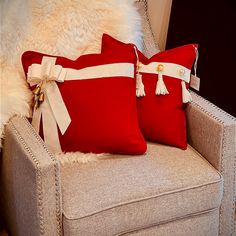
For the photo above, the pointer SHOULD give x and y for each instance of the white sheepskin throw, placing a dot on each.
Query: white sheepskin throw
(66, 28)
(79, 157)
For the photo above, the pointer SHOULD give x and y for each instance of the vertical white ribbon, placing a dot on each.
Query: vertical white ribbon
(53, 110)
(50, 131)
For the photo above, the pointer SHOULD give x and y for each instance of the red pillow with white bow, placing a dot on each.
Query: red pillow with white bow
(86, 105)
(161, 91)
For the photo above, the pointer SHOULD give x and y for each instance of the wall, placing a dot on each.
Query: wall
(159, 13)
(212, 27)
(175, 23)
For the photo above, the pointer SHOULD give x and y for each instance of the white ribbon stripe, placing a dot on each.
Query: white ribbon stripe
(53, 110)
(170, 69)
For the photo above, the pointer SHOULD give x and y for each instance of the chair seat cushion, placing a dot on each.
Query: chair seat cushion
(120, 194)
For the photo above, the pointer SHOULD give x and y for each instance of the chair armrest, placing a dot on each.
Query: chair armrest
(30, 179)
(150, 46)
(212, 132)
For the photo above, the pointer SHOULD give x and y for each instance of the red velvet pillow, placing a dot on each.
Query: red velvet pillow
(161, 117)
(98, 93)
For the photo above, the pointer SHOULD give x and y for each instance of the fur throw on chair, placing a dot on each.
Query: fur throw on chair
(67, 28)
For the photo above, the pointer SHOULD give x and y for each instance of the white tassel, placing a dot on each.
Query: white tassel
(161, 87)
(140, 92)
(139, 83)
(186, 96)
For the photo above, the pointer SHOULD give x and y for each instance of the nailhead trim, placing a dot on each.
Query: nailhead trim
(213, 106)
(223, 153)
(149, 27)
(39, 179)
(149, 23)
(57, 178)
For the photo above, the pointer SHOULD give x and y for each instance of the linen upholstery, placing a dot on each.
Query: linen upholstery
(165, 184)
(30, 182)
(211, 131)
(205, 224)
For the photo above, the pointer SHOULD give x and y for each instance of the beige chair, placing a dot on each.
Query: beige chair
(165, 192)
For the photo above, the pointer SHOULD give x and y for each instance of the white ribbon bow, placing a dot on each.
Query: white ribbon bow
(53, 110)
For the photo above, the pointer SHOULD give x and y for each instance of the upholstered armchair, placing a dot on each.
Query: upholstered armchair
(168, 191)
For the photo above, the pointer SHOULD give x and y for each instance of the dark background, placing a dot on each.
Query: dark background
(211, 24)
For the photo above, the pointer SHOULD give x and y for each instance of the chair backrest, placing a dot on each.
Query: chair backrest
(150, 46)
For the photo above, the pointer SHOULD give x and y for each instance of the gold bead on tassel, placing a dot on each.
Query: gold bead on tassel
(160, 68)
(41, 97)
(37, 90)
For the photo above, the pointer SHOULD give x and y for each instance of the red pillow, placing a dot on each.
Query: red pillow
(161, 112)
(93, 110)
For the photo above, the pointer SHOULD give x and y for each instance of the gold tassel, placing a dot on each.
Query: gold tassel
(37, 90)
(38, 97)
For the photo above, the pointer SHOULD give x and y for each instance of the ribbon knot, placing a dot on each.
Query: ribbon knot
(53, 110)
(45, 72)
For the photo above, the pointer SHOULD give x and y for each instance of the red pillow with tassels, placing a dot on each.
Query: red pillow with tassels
(86, 105)
(162, 83)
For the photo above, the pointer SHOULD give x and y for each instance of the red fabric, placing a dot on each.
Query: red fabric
(103, 111)
(161, 118)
